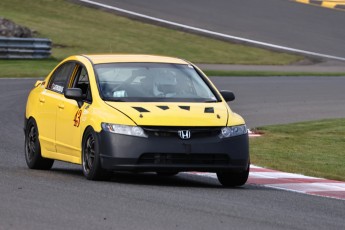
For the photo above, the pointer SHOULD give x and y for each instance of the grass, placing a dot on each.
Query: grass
(26, 68)
(76, 29)
(311, 148)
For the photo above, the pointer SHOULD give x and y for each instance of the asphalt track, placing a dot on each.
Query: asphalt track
(63, 199)
(279, 22)
(278, 100)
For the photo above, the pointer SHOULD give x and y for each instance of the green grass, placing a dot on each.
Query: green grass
(76, 29)
(311, 148)
(26, 68)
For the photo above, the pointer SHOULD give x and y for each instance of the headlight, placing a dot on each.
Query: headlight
(233, 131)
(124, 129)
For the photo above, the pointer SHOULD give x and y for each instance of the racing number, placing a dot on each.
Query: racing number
(77, 118)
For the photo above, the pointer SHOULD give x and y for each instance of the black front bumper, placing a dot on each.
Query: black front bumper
(208, 154)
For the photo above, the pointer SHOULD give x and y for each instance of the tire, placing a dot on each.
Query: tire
(167, 174)
(91, 163)
(232, 179)
(33, 156)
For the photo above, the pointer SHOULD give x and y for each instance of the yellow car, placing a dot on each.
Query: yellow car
(138, 113)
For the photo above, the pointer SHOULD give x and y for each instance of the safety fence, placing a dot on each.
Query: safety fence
(24, 48)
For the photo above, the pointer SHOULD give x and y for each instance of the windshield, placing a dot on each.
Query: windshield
(146, 82)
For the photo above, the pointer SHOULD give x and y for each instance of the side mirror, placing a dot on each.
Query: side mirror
(227, 95)
(75, 94)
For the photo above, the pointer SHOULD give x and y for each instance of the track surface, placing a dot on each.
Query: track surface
(280, 22)
(63, 199)
(278, 100)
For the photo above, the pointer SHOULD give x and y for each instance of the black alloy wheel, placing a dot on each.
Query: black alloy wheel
(91, 164)
(33, 157)
(89, 153)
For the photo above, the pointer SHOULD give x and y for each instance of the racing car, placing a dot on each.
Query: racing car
(138, 113)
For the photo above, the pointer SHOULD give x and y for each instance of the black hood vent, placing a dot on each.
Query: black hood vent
(163, 107)
(184, 107)
(141, 109)
(209, 110)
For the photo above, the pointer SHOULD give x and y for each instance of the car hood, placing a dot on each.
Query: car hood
(174, 114)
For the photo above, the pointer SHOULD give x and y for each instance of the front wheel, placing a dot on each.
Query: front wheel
(91, 163)
(33, 156)
(233, 179)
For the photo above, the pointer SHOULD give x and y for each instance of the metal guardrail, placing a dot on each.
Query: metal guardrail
(24, 48)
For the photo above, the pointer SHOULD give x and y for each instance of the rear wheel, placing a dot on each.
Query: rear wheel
(33, 156)
(91, 163)
(233, 179)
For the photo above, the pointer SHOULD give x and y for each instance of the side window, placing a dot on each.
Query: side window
(82, 82)
(59, 77)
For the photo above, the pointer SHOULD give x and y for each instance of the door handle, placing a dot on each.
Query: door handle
(61, 106)
(42, 100)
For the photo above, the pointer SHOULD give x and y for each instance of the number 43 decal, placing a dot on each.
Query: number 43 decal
(77, 118)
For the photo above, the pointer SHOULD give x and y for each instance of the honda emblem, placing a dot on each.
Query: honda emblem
(184, 134)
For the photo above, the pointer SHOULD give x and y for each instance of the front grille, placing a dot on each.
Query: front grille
(196, 132)
(183, 159)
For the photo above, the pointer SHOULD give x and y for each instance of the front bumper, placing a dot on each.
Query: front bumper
(152, 154)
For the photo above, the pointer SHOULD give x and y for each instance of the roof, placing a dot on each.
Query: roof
(111, 58)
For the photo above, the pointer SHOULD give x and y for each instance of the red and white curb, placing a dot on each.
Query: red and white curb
(253, 134)
(292, 182)
(296, 183)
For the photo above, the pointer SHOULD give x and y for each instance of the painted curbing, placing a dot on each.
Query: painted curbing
(291, 182)
(335, 4)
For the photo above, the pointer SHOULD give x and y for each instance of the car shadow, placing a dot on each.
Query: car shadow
(152, 179)
(180, 180)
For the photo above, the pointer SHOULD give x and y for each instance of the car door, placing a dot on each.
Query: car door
(49, 101)
(68, 129)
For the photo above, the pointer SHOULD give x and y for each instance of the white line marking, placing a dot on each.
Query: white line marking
(221, 35)
(278, 175)
(309, 187)
(335, 189)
